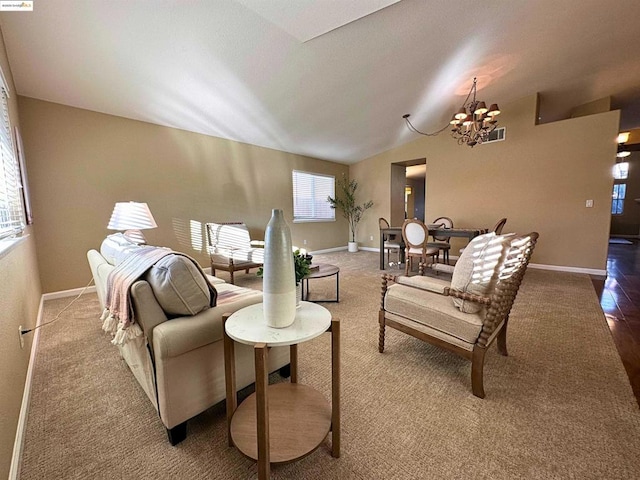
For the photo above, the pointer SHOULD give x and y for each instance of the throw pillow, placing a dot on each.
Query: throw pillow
(116, 247)
(179, 285)
(478, 267)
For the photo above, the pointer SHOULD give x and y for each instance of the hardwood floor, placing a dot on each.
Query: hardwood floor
(620, 300)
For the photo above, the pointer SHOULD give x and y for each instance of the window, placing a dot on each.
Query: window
(621, 171)
(617, 205)
(310, 192)
(11, 208)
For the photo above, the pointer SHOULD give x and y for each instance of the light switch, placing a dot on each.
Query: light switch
(589, 203)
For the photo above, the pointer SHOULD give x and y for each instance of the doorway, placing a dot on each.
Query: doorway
(408, 184)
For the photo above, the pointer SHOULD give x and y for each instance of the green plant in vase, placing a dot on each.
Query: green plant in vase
(301, 264)
(347, 204)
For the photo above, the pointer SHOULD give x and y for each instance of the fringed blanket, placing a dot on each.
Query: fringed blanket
(118, 314)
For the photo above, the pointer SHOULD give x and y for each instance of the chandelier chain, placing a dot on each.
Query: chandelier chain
(471, 125)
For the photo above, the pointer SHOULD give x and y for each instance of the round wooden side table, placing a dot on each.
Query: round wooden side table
(283, 422)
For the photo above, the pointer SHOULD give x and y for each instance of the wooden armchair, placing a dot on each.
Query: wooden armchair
(467, 314)
(231, 249)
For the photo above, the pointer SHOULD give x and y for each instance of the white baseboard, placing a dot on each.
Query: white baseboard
(68, 293)
(329, 250)
(539, 266)
(18, 445)
(564, 268)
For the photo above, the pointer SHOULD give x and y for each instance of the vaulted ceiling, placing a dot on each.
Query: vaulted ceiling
(325, 78)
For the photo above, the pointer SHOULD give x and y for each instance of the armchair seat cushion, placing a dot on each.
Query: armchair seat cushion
(222, 255)
(434, 311)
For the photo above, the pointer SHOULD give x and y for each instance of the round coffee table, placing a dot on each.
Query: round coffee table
(323, 270)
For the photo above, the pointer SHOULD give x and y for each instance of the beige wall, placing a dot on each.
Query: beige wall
(19, 301)
(82, 162)
(539, 178)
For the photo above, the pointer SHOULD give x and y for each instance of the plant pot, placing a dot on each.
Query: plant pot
(353, 247)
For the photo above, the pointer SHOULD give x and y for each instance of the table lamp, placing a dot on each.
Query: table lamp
(132, 217)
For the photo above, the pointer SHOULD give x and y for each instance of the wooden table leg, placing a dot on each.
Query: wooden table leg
(230, 377)
(262, 410)
(293, 362)
(335, 388)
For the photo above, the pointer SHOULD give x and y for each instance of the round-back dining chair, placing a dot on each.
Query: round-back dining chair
(415, 234)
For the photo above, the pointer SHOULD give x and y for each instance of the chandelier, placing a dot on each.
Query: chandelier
(471, 124)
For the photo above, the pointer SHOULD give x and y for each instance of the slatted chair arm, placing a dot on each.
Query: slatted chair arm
(470, 297)
(386, 278)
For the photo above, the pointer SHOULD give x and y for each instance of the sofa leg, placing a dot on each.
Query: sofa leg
(177, 433)
(285, 372)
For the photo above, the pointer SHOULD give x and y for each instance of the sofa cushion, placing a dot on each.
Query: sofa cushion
(477, 269)
(179, 286)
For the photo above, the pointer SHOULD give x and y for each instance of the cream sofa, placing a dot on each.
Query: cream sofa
(179, 361)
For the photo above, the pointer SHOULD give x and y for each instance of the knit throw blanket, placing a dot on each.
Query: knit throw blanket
(118, 316)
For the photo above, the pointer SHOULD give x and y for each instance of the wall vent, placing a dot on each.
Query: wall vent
(498, 135)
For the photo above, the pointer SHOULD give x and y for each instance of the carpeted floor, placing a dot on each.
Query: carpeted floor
(560, 406)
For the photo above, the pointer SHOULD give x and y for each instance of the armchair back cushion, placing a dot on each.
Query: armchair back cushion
(478, 268)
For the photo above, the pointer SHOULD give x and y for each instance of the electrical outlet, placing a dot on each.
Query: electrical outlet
(304, 242)
(20, 335)
(589, 203)
(370, 237)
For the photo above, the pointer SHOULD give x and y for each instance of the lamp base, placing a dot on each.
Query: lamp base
(136, 236)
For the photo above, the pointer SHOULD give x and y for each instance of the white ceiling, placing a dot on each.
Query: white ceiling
(266, 73)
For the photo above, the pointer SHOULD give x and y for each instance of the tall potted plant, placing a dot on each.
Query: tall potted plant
(346, 203)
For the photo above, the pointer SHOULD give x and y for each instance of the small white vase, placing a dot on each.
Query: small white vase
(279, 281)
(353, 247)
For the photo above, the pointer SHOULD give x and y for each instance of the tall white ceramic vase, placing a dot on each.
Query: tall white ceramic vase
(279, 281)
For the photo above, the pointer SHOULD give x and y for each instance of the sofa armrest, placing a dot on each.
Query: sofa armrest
(148, 312)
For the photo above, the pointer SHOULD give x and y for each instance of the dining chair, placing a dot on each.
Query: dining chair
(497, 229)
(415, 234)
(441, 242)
(390, 241)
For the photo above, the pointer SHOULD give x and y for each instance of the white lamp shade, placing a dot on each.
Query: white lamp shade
(131, 216)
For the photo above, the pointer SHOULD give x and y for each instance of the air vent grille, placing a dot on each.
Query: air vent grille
(498, 135)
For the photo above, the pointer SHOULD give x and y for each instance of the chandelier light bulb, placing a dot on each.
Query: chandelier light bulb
(462, 114)
(493, 110)
(481, 109)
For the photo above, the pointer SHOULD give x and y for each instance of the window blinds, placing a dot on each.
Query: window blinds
(310, 192)
(11, 208)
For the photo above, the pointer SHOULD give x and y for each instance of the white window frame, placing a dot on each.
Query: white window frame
(12, 216)
(316, 196)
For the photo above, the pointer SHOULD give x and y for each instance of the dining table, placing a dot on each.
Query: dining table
(469, 233)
